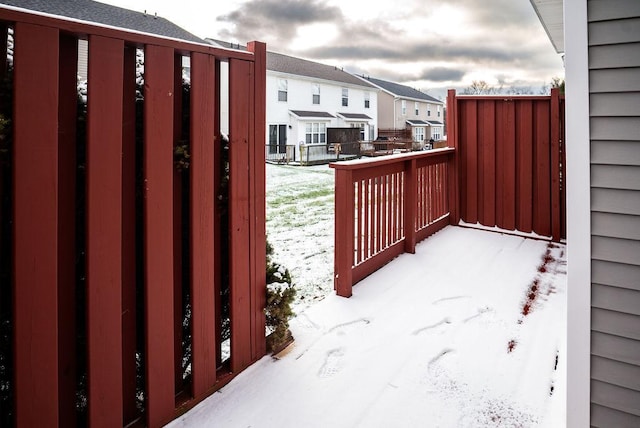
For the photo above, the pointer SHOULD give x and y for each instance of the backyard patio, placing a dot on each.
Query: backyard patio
(466, 332)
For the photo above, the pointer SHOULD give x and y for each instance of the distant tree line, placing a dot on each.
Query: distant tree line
(481, 87)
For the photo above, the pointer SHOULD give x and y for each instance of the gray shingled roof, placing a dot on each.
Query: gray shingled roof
(302, 67)
(415, 122)
(305, 113)
(354, 116)
(93, 11)
(401, 91)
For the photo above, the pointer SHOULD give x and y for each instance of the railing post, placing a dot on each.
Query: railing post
(556, 219)
(452, 165)
(344, 230)
(410, 189)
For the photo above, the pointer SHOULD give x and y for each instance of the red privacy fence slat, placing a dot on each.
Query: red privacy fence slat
(383, 207)
(510, 161)
(115, 259)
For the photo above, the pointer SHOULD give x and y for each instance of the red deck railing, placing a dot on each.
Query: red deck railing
(384, 206)
(43, 252)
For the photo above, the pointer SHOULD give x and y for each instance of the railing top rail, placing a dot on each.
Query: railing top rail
(504, 97)
(386, 160)
(83, 28)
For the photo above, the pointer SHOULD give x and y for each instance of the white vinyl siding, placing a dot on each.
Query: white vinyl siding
(614, 75)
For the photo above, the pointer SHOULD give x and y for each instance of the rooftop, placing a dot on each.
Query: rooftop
(101, 13)
(399, 90)
(439, 338)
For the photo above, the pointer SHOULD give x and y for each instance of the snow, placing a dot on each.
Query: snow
(437, 338)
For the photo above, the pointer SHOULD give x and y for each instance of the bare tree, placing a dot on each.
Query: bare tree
(480, 87)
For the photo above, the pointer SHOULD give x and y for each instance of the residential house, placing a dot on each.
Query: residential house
(601, 43)
(401, 107)
(306, 98)
(105, 14)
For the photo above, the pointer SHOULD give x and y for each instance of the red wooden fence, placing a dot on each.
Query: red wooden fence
(510, 161)
(44, 168)
(384, 206)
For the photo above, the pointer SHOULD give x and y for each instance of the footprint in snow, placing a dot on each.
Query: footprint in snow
(447, 299)
(332, 363)
(443, 321)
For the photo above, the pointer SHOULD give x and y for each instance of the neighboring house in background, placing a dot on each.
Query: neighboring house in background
(401, 107)
(601, 42)
(105, 14)
(305, 98)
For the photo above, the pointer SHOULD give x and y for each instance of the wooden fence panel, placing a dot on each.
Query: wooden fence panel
(104, 231)
(35, 245)
(509, 161)
(158, 245)
(123, 197)
(258, 197)
(203, 213)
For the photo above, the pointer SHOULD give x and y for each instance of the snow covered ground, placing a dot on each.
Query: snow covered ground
(300, 227)
(467, 332)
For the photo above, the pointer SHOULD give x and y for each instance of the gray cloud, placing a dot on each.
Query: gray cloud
(442, 74)
(506, 29)
(277, 19)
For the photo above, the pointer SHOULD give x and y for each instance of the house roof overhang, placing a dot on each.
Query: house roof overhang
(354, 116)
(303, 114)
(550, 13)
(435, 123)
(417, 123)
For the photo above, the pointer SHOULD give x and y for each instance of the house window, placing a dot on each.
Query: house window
(404, 107)
(418, 134)
(315, 133)
(345, 97)
(417, 109)
(436, 133)
(362, 128)
(277, 139)
(282, 90)
(316, 93)
(367, 98)
(428, 110)
(438, 111)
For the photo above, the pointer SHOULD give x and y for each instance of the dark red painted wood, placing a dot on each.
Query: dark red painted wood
(488, 147)
(203, 367)
(240, 132)
(542, 169)
(129, 411)
(555, 136)
(258, 180)
(359, 223)
(104, 231)
(344, 203)
(470, 133)
(35, 213)
(509, 167)
(453, 169)
(67, 114)
(158, 241)
(410, 207)
(524, 166)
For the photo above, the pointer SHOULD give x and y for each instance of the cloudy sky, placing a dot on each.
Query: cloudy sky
(427, 44)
